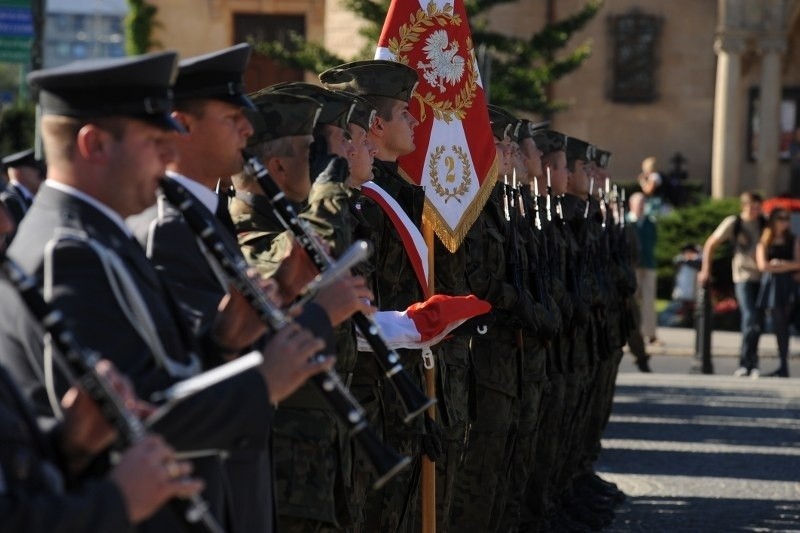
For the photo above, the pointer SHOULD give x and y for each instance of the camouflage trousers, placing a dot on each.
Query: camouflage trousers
(482, 482)
(454, 392)
(393, 507)
(531, 403)
(538, 502)
(311, 453)
(601, 409)
(576, 407)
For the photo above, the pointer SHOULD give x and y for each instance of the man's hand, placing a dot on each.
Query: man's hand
(295, 271)
(86, 431)
(288, 360)
(237, 324)
(344, 297)
(148, 476)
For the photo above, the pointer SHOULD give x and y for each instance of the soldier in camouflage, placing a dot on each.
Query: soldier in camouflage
(388, 86)
(313, 466)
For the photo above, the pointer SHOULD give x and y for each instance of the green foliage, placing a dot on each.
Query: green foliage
(299, 54)
(17, 126)
(522, 68)
(691, 224)
(139, 25)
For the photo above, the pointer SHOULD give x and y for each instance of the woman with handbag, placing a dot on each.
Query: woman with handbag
(778, 257)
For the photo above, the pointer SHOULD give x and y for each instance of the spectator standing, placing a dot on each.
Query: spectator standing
(650, 182)
(744, 231)
(778, 258)
(645, 229)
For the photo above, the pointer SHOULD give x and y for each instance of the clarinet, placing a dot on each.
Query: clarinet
(386, 461)
(414, 400)
(80, 361)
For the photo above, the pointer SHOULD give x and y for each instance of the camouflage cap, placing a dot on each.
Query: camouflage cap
(363, 111)
(578, 149)
(524, 129)
(280, 114)
(502, 122)
(602, 157)
(549, 141)
(374, 77)
(336, 107)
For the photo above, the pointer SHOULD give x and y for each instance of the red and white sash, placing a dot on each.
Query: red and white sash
(413, 242)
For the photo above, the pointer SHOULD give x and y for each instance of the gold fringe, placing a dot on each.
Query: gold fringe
(452, 239)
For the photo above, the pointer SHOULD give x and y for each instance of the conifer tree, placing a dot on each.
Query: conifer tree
(522, 68)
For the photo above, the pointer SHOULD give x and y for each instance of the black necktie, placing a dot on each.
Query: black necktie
(223, 215)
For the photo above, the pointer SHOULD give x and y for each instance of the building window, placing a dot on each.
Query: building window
(789, 122)
(634, 38)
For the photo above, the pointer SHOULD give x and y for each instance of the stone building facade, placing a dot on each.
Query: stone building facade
(715, 80)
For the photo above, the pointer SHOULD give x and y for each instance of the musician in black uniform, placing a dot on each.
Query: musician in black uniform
(108, 134)
(217, 130)
(44, 485)
(24, 177)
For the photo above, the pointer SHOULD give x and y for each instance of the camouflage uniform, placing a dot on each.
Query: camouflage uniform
(532, 365)
(483, 482)
(312, 448)
(395, 506)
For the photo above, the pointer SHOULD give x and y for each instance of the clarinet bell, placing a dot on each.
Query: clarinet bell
(386, 462)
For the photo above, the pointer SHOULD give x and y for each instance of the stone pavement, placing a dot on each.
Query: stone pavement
(698, 453)
(680, 341)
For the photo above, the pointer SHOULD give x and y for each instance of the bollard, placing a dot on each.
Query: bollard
(703, 324)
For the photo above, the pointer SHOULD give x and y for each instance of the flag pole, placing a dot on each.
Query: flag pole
(428, 466)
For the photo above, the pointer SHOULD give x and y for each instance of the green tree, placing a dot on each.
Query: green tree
(522, 69)
(139, 25)
(17, 124)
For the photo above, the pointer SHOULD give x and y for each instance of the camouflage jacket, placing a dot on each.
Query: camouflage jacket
(394, 281)
(258, 230)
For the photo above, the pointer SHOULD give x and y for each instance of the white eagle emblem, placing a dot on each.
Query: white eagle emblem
(443, 66)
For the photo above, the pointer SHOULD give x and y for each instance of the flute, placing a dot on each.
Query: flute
(414, 400)
(386, 461)
(80, 361)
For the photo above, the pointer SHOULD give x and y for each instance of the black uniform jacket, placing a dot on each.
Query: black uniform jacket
(233, 415)
(30, 501)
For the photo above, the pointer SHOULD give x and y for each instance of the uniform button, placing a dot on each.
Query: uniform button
(242, 442)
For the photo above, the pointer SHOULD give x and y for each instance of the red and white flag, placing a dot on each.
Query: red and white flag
(425, 323)
(455, 159)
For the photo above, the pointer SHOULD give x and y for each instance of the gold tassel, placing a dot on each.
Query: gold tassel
(452, 239)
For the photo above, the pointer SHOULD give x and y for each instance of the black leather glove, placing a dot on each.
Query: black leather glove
(336, 172)
(432, 439)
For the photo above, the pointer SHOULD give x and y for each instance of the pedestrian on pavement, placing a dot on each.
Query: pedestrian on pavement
(778, 258)
(744, 231)
(651, 183)
(646, 234)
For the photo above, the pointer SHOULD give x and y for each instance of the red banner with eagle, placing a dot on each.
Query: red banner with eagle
(455, 158)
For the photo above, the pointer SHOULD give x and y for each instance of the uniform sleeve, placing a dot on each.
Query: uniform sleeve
(97, 507)
(328, 213)
(264, 250)
(233, 414)
(174, 251)
(484, 247)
